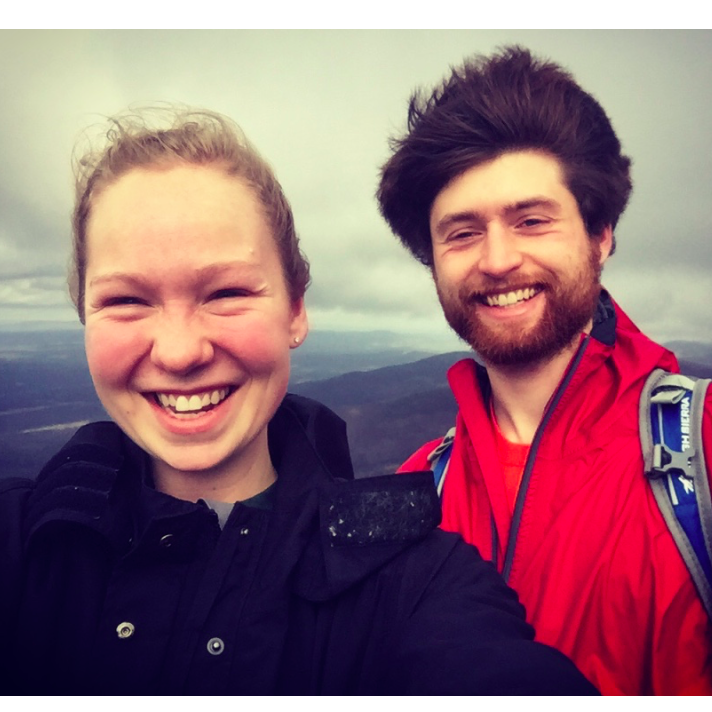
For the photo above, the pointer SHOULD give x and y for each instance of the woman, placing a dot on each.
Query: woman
(211, 539)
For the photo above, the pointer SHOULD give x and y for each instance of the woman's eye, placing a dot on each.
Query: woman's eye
(122, 300)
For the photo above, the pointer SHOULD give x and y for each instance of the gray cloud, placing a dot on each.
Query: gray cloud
(320, 106)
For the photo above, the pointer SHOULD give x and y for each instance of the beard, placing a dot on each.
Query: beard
(570, 306)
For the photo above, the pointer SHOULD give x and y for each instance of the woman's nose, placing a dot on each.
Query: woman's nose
(180, 344)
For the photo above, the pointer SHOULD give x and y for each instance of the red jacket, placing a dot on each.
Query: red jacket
(587, 548)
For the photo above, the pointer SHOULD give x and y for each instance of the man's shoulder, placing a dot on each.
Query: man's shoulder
(419, 461)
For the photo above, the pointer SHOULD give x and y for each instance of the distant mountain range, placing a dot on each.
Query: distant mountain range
(46, 392)
(390, 411)
(392, 393)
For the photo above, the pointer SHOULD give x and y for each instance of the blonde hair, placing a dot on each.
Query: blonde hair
(198, 137)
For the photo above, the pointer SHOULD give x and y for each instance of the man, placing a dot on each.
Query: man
(508, 184)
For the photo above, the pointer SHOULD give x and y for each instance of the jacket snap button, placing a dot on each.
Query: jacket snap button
(125, 630)
(215, 646)
(166, 541)
(244, 531)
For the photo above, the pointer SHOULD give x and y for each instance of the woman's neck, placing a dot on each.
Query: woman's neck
(244, 475)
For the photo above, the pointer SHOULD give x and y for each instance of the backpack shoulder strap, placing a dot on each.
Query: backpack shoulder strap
(671, 410)
(439, 460)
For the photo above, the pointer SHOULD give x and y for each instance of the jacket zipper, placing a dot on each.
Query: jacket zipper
(531, 458)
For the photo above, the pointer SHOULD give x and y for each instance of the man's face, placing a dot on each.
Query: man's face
(516, 272)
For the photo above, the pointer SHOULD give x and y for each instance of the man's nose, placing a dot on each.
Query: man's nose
(180, 343)
(500, 252)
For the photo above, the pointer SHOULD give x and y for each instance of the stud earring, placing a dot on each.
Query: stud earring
(296, 339)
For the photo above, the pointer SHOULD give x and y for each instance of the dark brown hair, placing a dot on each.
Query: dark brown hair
(188, 136)
(490, 106)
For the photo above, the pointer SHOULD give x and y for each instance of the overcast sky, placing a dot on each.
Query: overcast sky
(320, 106)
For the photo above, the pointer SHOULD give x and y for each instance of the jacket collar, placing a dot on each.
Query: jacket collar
(327, 530)
(603, 330)
(611, 361)
(604, 320)
(336, 528)
(77, 483)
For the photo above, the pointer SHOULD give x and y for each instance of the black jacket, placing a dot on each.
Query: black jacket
(110, 587)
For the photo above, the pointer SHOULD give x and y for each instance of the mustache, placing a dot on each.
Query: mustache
(470, 293)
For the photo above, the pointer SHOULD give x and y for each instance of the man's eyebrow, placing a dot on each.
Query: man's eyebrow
(451, 219)
(529, 203)
(539, 201)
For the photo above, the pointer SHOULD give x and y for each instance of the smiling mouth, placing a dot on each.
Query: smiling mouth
(507, 299)
(194, 404)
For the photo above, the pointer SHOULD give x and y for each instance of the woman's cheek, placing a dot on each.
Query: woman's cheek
(112, 349)
(259, 344)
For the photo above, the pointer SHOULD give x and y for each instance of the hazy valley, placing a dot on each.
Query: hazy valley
(392, 393)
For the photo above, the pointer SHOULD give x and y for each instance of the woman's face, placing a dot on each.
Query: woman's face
(188, 318)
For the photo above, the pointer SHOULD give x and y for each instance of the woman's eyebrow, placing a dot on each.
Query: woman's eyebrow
(127, 277)
(218, 268)
(201, 273)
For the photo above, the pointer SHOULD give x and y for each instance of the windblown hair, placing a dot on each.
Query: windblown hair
(164, 137)
(510, 101)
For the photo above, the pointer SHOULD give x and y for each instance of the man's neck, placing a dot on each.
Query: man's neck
(520, 393)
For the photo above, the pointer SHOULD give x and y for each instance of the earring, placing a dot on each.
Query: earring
(296, 339)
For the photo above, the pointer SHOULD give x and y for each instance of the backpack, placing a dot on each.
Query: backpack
(670, 419)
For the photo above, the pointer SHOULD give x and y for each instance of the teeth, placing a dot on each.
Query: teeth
(508, 298)
(194, 403)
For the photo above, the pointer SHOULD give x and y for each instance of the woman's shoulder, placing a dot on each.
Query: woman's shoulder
(92, 447)
(94, 442)
(13, 493)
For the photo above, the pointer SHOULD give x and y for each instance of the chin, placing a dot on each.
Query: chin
(198, 460)
(193, 459)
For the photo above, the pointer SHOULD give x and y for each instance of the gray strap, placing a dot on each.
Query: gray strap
(439, 469)
(672, 386)
(646, 429)
(444, 444)
(702, 483)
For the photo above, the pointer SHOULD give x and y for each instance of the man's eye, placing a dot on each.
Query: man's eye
(463, 235)
(231, 293)
(532, 222)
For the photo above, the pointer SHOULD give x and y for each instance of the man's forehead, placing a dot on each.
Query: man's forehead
(511, 181)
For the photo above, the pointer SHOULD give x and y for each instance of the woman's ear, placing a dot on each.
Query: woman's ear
(299, 327)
